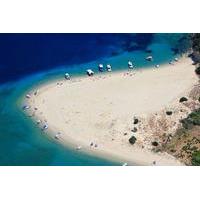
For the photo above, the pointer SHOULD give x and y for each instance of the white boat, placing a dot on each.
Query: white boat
(130, 64)
(100, 67)
(89, 72)
(56, 137)
(67, 76)
(45, 127)
(125, 164)
(149, 58)
(79, 148)
(26, 107)
(176, 59)
(157, 66)
(38, 121)
(109, 68)
(28, 96)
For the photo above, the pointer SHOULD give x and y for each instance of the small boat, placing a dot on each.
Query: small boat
(125, 164)
(79, 148)
(176, 59)
(171, 63)
(100, 67)
(28, 96)
(89, 72)
(67, 76)
(130, 65)
(109, 68)
(56, 137)
(25, 107)
(149, 58)
(157, 66)
(45, 127)
(38, 121)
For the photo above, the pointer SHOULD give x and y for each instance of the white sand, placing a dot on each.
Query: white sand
(100, 109)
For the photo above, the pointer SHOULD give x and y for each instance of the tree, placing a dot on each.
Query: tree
(197, 70)
(196, 158)
(132, 139)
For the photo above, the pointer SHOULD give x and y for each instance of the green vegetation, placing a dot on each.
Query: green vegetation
(192, 119)
(196, 158)
(196, 41)
(197, 70)
(132, 140)
(185, 144)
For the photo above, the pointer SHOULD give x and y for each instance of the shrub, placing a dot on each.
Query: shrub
(187, 124)
(169, 112)
(195, 117)
(196, 158)
(182, 99)
(135, 121)
(197, 70)
(192, 119)
(155, 143)
(132, 139)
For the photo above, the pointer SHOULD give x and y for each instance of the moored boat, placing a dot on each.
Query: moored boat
(149, 58)
(89, 72)
(130, 64)
(109, 68)
(100, 67)
(67, 76)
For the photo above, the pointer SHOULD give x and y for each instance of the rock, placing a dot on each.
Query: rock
(169, 112)
(91, 144)
(132, 140)
(182, 99)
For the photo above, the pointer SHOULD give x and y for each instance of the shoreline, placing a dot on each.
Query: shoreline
(127, 153)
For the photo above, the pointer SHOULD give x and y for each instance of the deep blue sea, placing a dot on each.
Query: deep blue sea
(30, 59)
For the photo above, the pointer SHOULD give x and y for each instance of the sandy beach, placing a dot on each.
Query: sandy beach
(95, 114)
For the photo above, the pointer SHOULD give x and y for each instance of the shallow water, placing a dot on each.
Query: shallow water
(21, 141)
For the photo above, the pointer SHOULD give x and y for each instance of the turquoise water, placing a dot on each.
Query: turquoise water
(21, 140)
